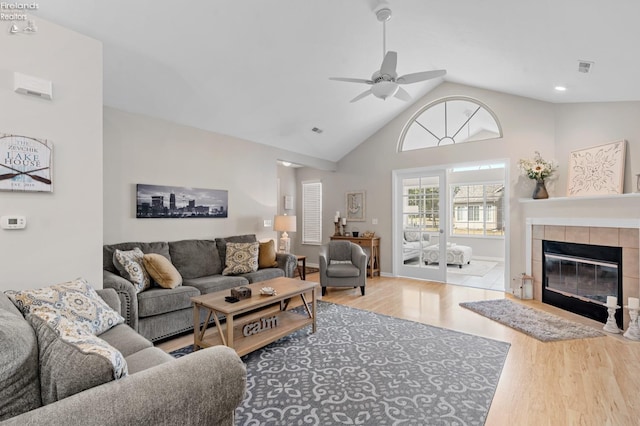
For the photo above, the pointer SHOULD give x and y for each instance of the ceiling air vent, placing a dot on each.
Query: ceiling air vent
(584, 66)
(316, 130)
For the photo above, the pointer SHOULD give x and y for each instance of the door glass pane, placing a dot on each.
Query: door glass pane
(420, 218)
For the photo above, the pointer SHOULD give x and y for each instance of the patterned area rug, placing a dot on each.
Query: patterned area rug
(365, 368)
(540, 325)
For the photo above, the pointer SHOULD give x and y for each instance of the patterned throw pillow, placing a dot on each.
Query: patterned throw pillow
(241, 258)
(75, 301)
(339, 262)
(130, 265)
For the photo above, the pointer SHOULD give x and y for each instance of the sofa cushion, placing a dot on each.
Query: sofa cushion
(74, 362)
(222, 243)
(215, 283)
(162, 270)
(129, 265)
(158, 301)
(343, 271)
(19, 378)
(75, 300)
(241, 258)
(160, 247)
(147, 358)
(126, 340)
(195, 258)
(263, 274)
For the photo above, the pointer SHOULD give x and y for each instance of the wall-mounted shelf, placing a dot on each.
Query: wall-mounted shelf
(590, 197)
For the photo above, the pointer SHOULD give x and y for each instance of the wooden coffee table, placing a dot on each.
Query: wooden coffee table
(254, 322)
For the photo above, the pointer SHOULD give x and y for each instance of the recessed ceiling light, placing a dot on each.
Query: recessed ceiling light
(560, 88)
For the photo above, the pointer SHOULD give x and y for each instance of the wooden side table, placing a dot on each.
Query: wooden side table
(302, 268)
(373, 244)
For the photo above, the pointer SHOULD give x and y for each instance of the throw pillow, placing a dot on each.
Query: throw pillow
(339, 262)
(267, 255)
(162, 270)
(75, 301)
(72, 360)
(241, 258)
(411, 236)
(129, 264)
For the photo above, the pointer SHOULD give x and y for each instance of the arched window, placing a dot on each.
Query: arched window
(449, 121)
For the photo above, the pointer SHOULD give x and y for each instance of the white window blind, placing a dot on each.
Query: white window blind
(312, 212)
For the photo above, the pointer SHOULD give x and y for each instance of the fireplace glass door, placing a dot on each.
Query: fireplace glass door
(582, 278)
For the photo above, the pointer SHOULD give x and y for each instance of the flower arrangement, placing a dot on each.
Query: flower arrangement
(537, 168)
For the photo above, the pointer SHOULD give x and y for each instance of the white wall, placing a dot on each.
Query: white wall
(63, 238)
(527, 125)
(140, 149)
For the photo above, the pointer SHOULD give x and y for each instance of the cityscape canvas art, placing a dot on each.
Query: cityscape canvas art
(158, 201)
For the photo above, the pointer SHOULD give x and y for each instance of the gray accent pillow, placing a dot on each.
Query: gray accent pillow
(195, 258)
(19, 379)
(66, 369)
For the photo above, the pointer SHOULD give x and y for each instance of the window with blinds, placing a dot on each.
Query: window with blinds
(312, 212)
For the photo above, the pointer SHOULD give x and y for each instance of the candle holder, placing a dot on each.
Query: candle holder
(633, 332)
(337, 230)
(611, 326)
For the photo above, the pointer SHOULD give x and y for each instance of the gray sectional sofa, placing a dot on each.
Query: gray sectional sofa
(202, 388)
(159, 313)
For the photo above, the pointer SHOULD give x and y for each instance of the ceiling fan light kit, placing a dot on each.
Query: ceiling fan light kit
(385, 82)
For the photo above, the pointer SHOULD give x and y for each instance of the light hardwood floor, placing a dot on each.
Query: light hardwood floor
(575, 382)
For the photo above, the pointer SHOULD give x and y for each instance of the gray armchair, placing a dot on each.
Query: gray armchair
(343, 264)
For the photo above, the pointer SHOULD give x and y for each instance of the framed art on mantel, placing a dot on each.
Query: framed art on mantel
(25, 164)
(597, 171)
(356, 206)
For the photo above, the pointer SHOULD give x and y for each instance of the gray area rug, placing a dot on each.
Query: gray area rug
(370, 369)
(540, 325)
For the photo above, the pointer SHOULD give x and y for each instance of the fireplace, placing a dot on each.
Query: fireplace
(579, 277)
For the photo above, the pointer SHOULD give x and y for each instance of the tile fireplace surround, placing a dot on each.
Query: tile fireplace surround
(623, 233)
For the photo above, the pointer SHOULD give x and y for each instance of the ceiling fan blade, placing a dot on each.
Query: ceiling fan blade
(361, 95)
(389, 63)
(351, 80)
(403, 94)
(420, 76)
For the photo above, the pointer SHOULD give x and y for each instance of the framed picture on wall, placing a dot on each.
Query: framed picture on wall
(25, 163)
(355, 206)
(177, 202)
(597, 171)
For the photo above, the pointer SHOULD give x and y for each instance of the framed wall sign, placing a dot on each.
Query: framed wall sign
(597, 171)
(356, 206)
(176, 202)
(25, 163)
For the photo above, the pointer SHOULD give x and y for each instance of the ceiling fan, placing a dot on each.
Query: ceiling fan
(385, 82)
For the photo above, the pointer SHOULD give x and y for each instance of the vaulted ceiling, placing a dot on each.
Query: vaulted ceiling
(259, 69)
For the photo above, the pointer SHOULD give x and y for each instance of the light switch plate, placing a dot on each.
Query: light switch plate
(374, 221)
(267, 223)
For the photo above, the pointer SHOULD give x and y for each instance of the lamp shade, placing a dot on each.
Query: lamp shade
(284, 223)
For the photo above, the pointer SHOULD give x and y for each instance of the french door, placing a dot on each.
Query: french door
(419, 222)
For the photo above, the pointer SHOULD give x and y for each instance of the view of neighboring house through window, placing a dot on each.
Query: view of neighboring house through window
(478, 209)
(312, 212)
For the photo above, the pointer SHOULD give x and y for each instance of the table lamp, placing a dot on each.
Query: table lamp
(284, 224)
